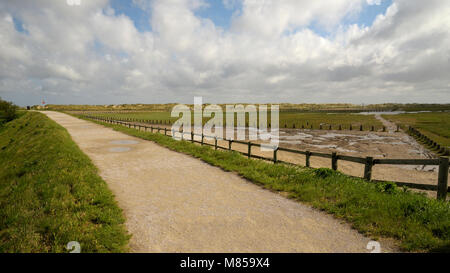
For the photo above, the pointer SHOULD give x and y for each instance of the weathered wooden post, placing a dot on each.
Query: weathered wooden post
(443, 178)
(202, 138)
(215, 143)
(229, 144)
(249, 149)
(368, 168)
(308, 159)
(192, 136)
(334, 161)
(275, 155)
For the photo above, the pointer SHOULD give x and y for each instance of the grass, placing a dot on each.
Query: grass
(435, 125)
(286, 120)
(375, 209)
(50, 192)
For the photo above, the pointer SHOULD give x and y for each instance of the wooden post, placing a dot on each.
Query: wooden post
(249, 149)
(165, 131)
(192, 137)
(229, 144)
(368, 168)
(275, 155)
(202, 138)
(308, 159)
(334, 161)
(443, 178)
(215, 143)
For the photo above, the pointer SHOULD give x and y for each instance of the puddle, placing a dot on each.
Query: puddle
(123, 142)
(119, 149)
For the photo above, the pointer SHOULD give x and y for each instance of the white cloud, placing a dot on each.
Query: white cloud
(87, 54)
(374, 2)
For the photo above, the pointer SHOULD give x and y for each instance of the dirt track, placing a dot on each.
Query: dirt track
(176, 203)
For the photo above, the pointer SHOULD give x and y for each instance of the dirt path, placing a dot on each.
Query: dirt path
(176, 203)
(390, 126)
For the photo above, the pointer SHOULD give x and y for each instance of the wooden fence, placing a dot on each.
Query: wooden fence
(429, 142)
(293, 125)
(368, 162)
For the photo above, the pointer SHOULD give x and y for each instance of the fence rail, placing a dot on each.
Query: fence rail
(443, 162)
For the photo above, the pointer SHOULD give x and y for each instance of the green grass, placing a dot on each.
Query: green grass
(435, 125)
(50, 192)
(287, 119)
(375, 209)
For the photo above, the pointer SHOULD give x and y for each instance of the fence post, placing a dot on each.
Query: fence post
(192, 137)
(202, 138)
(443, 178)
(249, 149)
(334, 161)
(165, 131)
(275, 155)
(229, 144)
(215, 143)
(308, 157)
(368, 168)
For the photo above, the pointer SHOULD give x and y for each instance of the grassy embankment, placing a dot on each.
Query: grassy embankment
(417, 222)
(50, 192)
(435, 125)
(287, 119)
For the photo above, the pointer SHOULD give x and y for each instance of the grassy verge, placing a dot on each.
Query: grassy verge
(419, 223)
(50, 192)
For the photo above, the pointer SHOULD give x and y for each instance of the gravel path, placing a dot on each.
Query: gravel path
(176, 203)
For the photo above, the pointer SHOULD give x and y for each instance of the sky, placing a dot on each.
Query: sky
(253, 51)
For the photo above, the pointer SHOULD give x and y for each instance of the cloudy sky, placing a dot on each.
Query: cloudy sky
(158, 51)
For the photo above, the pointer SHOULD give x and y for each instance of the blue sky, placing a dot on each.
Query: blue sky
(221, 15)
